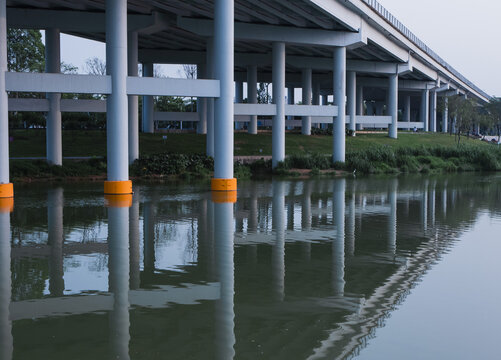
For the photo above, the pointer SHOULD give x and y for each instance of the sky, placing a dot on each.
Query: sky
(464, 33)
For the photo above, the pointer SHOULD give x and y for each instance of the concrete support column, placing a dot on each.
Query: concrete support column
(117, 131)
(339, 122)
(325, 100)
(148, 106)
(445, 115)
(315, 94)
(202, 103)
(252, 96)
(360, 105)
(55, 204)
(54, 127)
(351, 93)
(425, 109)
(239, 98)
(393, 105)
(278, 135)
(132, 64)
(306, 83)
(338, 244)
(6, 338)
(433, 109)
(210, 101)
(118, 265)
(6, 188)
(224, 253)
(278, 250)
(407, 110)
(223, 106)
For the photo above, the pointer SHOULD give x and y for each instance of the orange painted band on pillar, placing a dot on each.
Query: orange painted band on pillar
(6, 190)
(118, 187)
(118, 201)
(6, 205)
(224, 184)
(222, 197)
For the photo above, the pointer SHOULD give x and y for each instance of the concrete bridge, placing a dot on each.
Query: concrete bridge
(353, 52)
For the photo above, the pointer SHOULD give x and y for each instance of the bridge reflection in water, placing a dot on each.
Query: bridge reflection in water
(294, 269)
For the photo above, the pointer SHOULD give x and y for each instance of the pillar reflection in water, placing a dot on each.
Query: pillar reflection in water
(55, 205)
(350, 223)
(444, 199)
(6, 340)
(118, 263)
(392, 218)
(149, 237)
(278, 250)
(433, 202)
(135, 255)
(424, 206)
(306, 217)
(338, 243)
(225, 313)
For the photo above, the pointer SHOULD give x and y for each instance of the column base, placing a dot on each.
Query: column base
(224, 184)
(118, 187)
(6, 190)
(118, 201)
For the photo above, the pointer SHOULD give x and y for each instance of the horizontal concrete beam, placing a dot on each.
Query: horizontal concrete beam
(81, 21)
(411, 125)
(371, 120)
(57, 83)
(273, 33)
(67, 105)
(172, 87)
(311, 110)
(255, 109)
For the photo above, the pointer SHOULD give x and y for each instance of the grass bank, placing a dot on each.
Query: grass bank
(179, 155)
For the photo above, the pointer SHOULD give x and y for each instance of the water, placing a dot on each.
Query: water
(376, 268)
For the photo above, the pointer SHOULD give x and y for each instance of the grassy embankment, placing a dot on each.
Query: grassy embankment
(180, 154)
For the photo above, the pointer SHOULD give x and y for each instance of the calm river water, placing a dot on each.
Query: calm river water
(379, 268)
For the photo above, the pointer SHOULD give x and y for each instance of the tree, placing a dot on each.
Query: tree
(263, 95)
(95, 66)
(494, 111)
(25, 51)
(464, 111)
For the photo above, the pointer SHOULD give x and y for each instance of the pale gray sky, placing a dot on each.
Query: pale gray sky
(464, 33)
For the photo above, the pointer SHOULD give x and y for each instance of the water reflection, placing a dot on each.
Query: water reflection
(294, 269)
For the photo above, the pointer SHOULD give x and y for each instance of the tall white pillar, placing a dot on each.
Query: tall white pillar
(118, 265)
(425, 109)
(223, 106)
(338, 244)
(407, 110)
(278, 250)
(117, 131)
(224, 253)
(445, 115)
(278, 134)
(351, 93)
(433, 109)
(55, 205)
(6, 188)
(148, 106)
(252, 96)
(306, 83)
(360, 104)
(6, 338)
(393, 105)
(239, 98)
(54, 127)
(324, 99)
(210, 101)
(202, 102)
(339, 122)
(132, 64)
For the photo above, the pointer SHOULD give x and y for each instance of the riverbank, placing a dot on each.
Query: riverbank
(307, 156)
